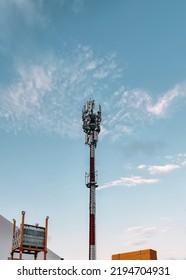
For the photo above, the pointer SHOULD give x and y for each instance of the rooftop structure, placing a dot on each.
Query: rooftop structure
(6, 243)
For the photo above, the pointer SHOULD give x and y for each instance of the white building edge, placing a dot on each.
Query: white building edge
(6, 243)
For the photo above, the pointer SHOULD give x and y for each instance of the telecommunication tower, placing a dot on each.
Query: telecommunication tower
(91, 126)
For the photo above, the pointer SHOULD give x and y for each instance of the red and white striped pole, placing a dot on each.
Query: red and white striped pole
(92, 206)
(91, 127)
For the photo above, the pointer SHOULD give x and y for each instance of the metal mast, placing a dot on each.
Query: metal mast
(91, 126)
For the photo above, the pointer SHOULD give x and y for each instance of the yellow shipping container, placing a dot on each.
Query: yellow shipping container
(147, 254)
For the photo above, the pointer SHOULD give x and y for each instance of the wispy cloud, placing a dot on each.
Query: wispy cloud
(179, 162)
(141, 166)
(76, 75)
(152, 169)
(129, 182)
(29, 10)
(78, 5)
(135, 109)
(178, 159)
(34, 12)
(137, 242)
(103, 132)
(140, 230)
(183, 163)
(49, 96)
(124, 110)
(160, 108)
(140, 235)
(162, 168)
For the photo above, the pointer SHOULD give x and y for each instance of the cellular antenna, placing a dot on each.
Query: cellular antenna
(91, 126)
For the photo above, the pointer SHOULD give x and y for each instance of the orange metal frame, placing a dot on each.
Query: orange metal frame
(28, 250)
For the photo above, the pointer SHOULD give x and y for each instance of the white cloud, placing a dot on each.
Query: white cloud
(54, 93)
(160, 108)
(141, 166)
(144, 231)
(177, 161)
(138, 180)
(162, 168)
(134, 229)
(29, 10)
(140, 235)
(49, 96)
(78, 5)
(129, 182)
(27, 94)
(119, 131)
(135, 109)
(137, 242)
(37, 77)
(177, 158)
(123, 112)
(33, 12)
(103, 132)
(181, 155)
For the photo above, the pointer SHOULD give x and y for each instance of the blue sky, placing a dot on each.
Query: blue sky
(130, 57)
